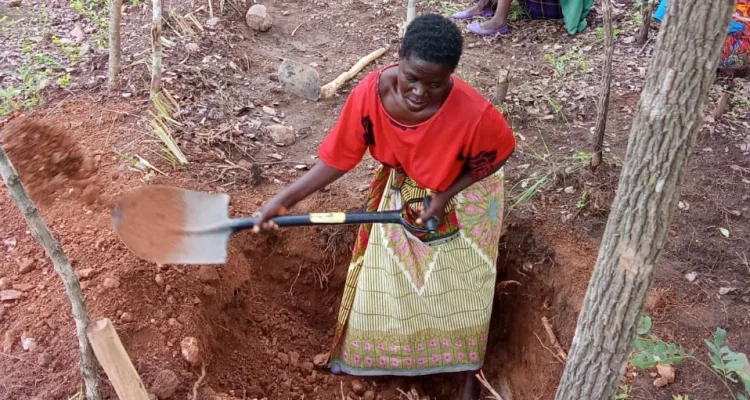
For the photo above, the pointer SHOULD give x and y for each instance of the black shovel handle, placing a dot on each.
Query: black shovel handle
(342, 218)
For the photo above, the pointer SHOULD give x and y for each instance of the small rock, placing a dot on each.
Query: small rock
(8, 341)
(126, 317)
(10, 295)
(159, 280)
(44, 360)
(212, 23)
(5, 283)
(570, 190)
(257, 18)
(77, 34)
(209, 291)
(369, 395)
(284, 359)
(85, 49)
(192, 47)
(269, 110)
(726, 290)
(111, 283)
(307, 367)
(165, 384)
(25, 265)
(294, 358)
(208, 274)
(282, 135)
(358, 388)
(86, 273)
(629, 40)
(27, 342)
(191, 351)
(321, 360)
(14, 3)
(691, 276)
(276, 156)
(23, 287)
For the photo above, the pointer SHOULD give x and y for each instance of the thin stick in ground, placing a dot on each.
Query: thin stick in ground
(199, 382)
(603, 105)
(156, 56)
(494, 394)
(115, 50)
(62, 267)
(553, 339)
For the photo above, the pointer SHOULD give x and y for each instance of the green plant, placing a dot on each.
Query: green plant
(557, 108)
(26, 95)
(680, 397)
(623, 393)
(600, 33)
(64, 81)
(725, 364)
(96, 12)
(567, 65)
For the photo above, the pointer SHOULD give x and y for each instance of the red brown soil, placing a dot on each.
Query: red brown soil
(47, 157)
(261, 318)
(150, 220)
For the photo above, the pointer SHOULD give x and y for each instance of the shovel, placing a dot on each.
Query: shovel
(168, 225)
(302, 80)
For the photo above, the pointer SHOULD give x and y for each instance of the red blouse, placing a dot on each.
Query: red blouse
(466, 133)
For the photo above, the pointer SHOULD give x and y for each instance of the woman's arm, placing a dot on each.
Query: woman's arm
(317, 178)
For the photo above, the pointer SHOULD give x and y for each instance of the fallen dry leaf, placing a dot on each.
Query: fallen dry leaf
(666, 377)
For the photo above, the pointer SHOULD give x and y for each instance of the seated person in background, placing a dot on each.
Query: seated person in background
(573, 12)
(735, 56)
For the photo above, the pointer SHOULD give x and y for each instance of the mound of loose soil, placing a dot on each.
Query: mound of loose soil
(46, 157)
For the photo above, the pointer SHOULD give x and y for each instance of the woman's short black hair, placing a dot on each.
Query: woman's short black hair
(433, 38)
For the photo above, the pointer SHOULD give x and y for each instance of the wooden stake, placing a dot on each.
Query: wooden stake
(327, 91)
(156, 56)
(503, 81)
(553, 339)
(115, 50)
(115, 361)
(603, 104)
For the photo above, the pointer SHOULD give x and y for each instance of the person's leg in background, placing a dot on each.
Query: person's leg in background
(481, 8)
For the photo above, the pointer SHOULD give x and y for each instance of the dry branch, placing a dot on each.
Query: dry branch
(553, 339)
(411, 12)
(60, 262)
(327, 91)
(115, 50)
(115, 360)
(156, 57)
(603, 105)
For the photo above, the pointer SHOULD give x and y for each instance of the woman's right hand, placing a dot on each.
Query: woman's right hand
(270, 209)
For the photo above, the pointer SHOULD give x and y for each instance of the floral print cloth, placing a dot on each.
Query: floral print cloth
(417, 304)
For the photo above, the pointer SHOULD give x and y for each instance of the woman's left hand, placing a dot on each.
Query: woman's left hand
(436, 209)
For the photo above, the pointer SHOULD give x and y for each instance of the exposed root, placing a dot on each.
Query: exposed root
(553, 339)
(198, 383)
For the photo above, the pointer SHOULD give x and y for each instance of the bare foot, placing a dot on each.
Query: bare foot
(494, 24)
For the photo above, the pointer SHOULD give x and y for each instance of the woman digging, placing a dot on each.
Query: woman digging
(417, 303)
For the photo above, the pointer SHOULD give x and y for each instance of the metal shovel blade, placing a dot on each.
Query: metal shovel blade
(168, 225)
(299, 79)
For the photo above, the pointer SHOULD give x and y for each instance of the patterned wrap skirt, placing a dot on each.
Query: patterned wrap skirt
(417, 304)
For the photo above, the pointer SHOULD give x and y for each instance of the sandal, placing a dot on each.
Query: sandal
(487, 12)
(477, 29)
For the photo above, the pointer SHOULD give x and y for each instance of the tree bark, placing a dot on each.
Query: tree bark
(662, 136)
(115, 50)
(602, 108)
(156, 56)
(648, 9)
(62, 267)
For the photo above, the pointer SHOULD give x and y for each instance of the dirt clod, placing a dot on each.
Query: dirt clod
(10, 295)
(258, 19)
(126, 317)
(111, 283)
(191, 351)
(86, 273)
(294, 358)
(44, 359)
(369, 395)
(283, 359)
(307, 367)
(46, 157)
(281, 135)
(357, 387)
(159, 279)
(208, 274)
(25, 265)
(5, 283)
(165, 384)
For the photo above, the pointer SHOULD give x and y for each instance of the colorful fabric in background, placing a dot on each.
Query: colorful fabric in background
(736, 52)
(416, 306)
(542, 9)
(575, 13)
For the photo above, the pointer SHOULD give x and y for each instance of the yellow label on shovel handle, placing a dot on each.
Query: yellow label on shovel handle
(328, 218)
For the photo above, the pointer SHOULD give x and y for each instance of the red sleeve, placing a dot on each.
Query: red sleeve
(344, 146)
(492, 144)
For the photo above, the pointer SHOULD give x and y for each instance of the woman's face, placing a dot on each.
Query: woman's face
(422, 84)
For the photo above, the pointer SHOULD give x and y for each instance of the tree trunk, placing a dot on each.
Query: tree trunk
(115, 50)
(62, 267)
(156, 43)
(648, 9)
(662, 136)
(603, 106)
